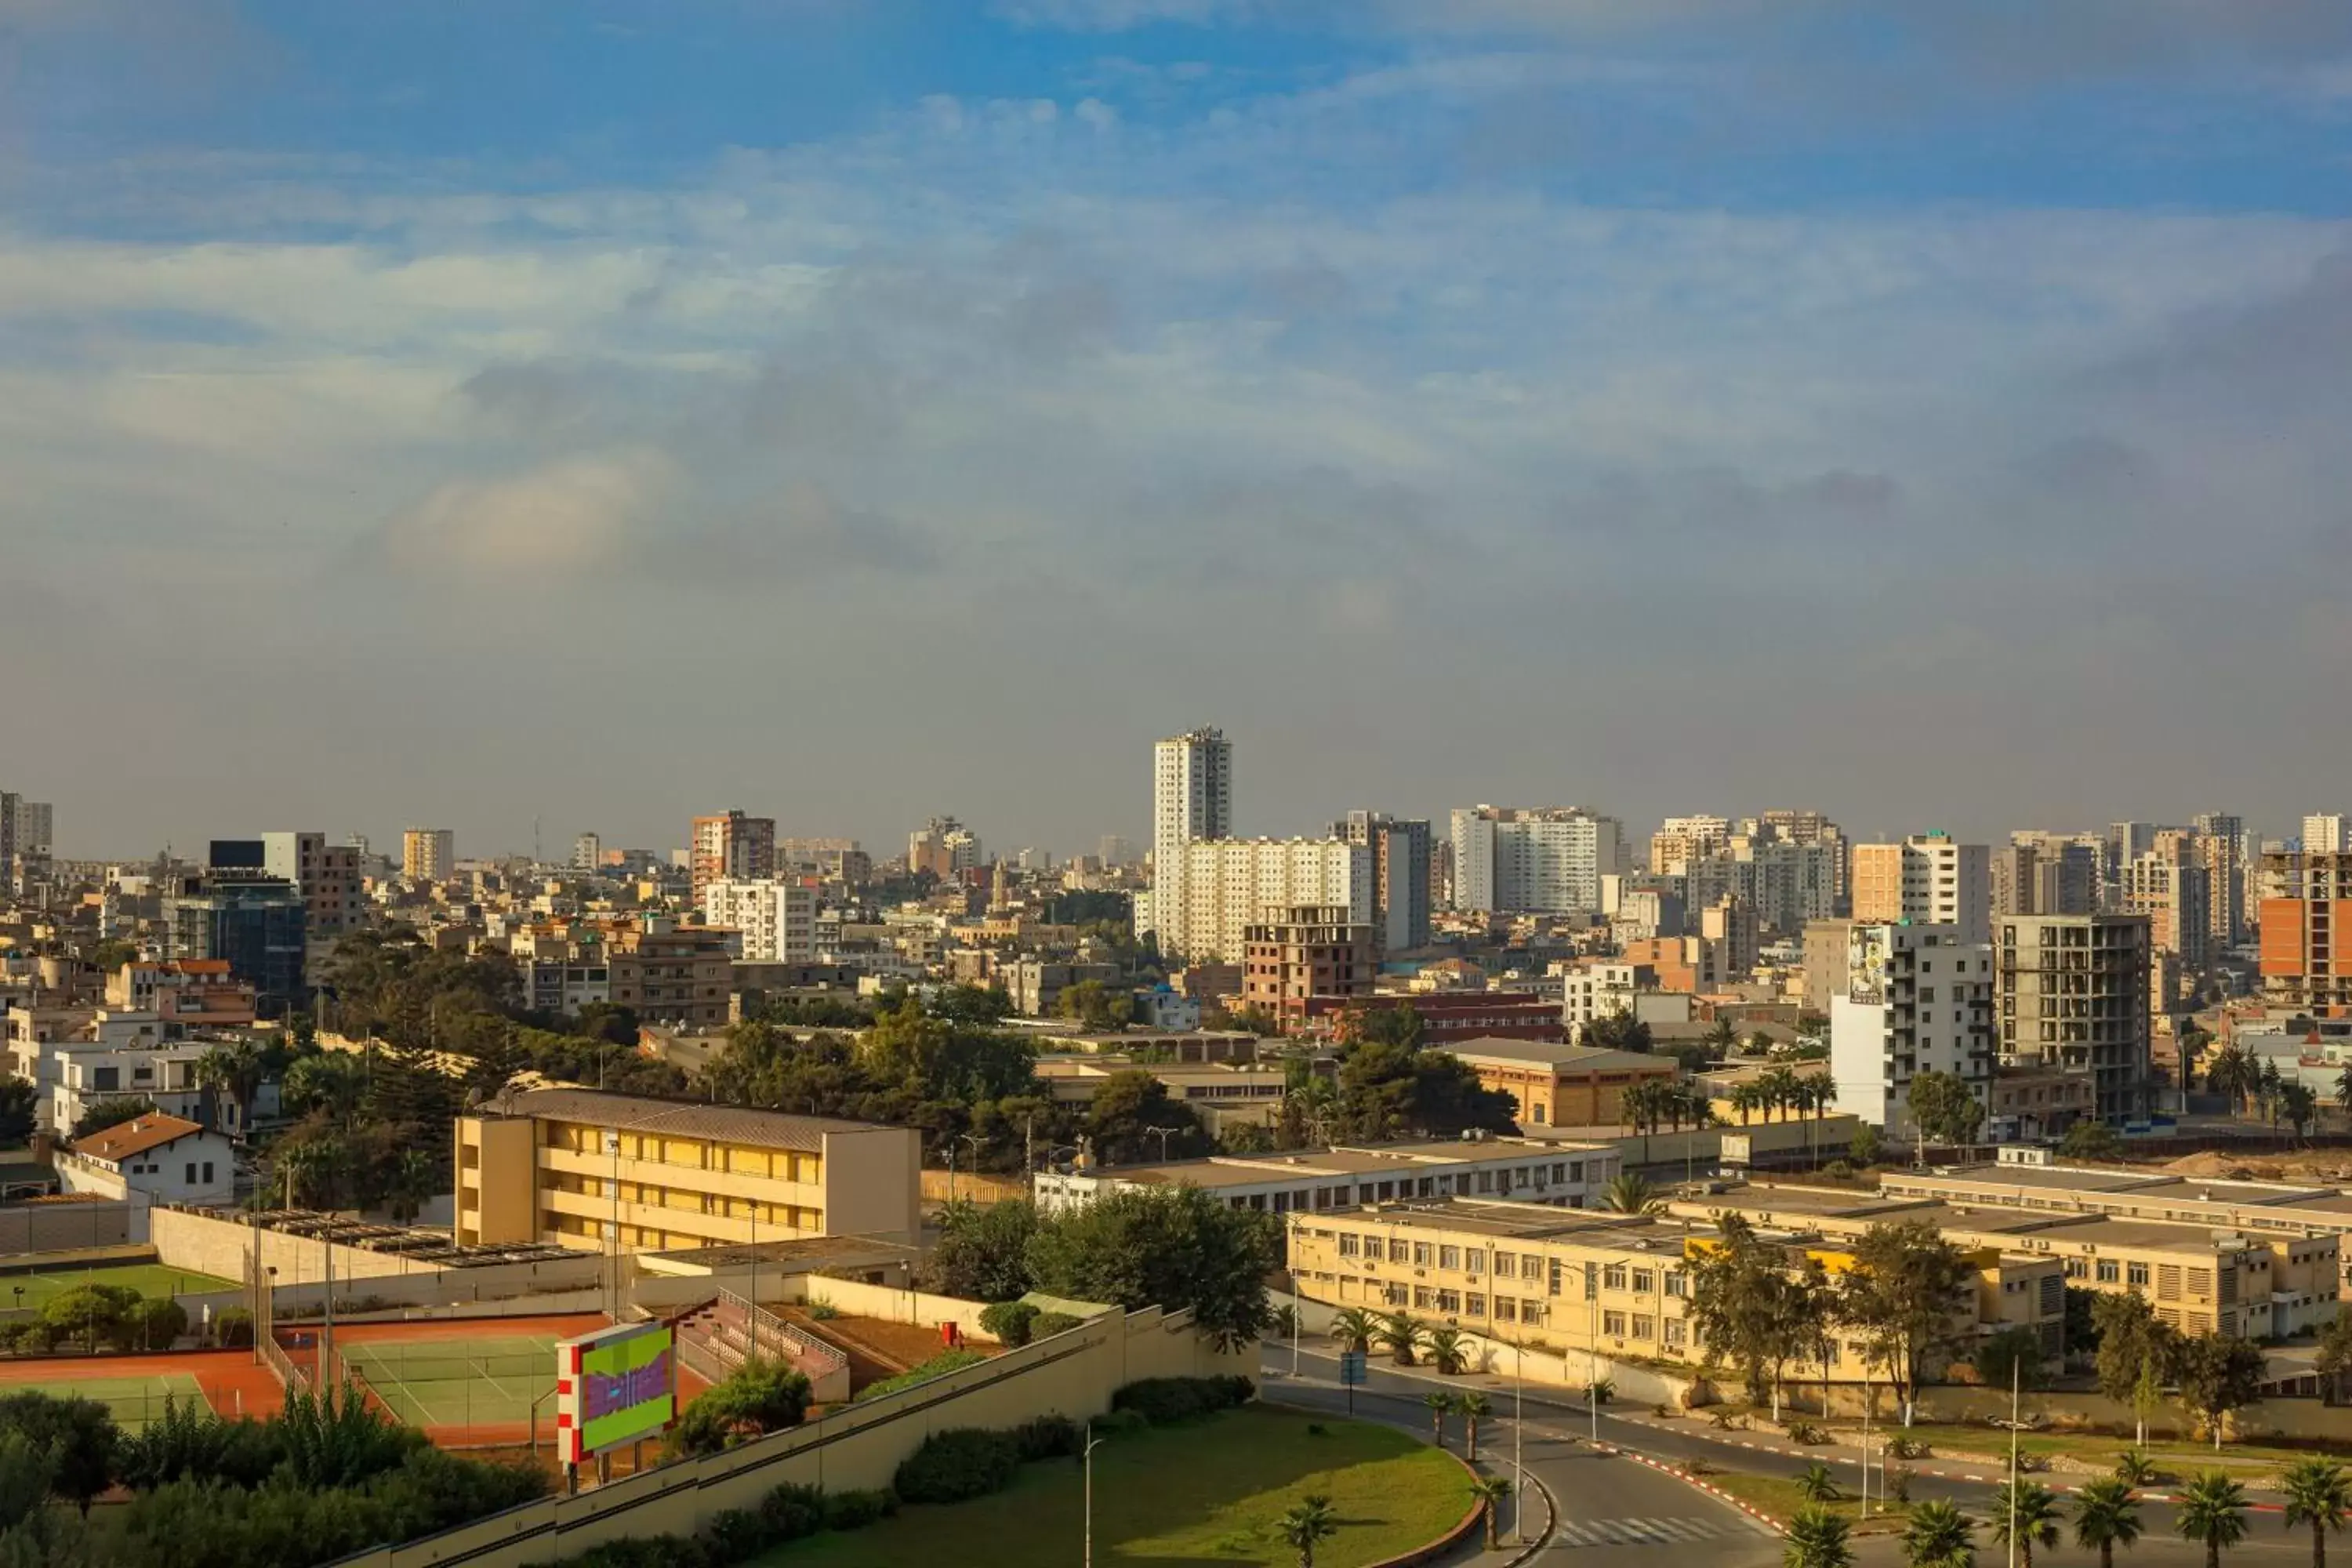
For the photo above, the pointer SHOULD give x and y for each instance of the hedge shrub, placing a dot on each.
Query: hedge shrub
(938, 1366)
(1164, 1401)
(1048, 1438)
(958, 1465)
(1048, 1324)
(1011, 1321)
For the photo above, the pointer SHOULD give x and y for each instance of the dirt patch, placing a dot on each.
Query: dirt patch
(2323, 1165)
(877, 1348)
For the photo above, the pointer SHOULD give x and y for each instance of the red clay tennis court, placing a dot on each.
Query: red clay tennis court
(133, 1387)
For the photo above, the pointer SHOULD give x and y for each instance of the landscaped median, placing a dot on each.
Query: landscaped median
(1211, 1490)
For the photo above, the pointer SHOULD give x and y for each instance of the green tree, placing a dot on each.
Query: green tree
(1353, 1327)
(1629, 1192)
(2106, 1517)
(1447, 1354)
(1938, 1535)
(977, 1007)
(2217, 1376)
(1475, 1408)
(1617, 1032)
(2335, 1358)
(2212, 1513)
(416, 1177)
(113, 1111)
(1399, 1026)
(1722, 1038)
(2089, 1139)
(1440, 1406)
(1096, 1005)
(77, 1435)
(2135, 1348)
(1389, 1090)
(1747, 1310)
(1816, 1484)
(2028, 1510)
(2317, 1494)
(1490, 1492)
(234, 1072)
(1946, 1107)
(1864, 1149)
(1130, 1110)
(2012, 1352)
(1309, 1520)
(1402, 1335)
(1176, 1247)
(92, 1315)
(1901, 1293)
(2299, 1103)
(759, 1397)
(25, 1475)
(1817, 1538)
(334, 1083)
(982, 1253)
(19, 1102)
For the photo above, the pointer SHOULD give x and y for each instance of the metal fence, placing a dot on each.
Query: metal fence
(799, 1345)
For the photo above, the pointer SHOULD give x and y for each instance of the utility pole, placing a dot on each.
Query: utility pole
(1518, 1465)
(1093, 1443)
(2015, 1366)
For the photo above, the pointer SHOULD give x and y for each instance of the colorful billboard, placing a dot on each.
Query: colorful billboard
(614, 1386)
(1866, 966)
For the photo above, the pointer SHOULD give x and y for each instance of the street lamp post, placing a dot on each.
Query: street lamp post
(1161, 1134)
(1093, 1443)
(1518, 1465)
(1297, 1297)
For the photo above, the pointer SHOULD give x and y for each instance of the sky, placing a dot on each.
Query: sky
(589, 413)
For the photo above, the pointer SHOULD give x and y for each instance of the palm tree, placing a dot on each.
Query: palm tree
(1722, 1039)
(2301, 1103)
(2344, 1089)
(2213, 1511)
(1630, 1193)
(1490, 1492)
(1445, 1353)
(2231, 1074)
(413, 1179)
(1743, 1099)
(235, 1071)
(2317, 1494)
(2272, 1084)
(1473, 1408)
(1817, 1484)
(1817, 1538)
(2106, 1517)
(1309, 1519)
(1440, 1406)
(1401, 1334)
(2135, 1467)
(2028, 1510)
(1354, 1328)
(1939, 1536)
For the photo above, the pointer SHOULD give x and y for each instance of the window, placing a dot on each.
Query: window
(208, 1172)
(192, 1173)
(1450, 1303)
(2110, 1271)
(1531, 1266)
(1506, 1310)
(1677, 1283)
(2135, 1274)
(1676, 1332)
(1532, 1312)
(1613, 1324)
(1644, 1326)
(1503, 1264)
(1449, 1257)
(1474, 1305)
(1400, 1252)
(1347, 1246)
(1644, 1281)
(1421, 1253)
(1486, 1180)
(1613, 1277)
(1421, 1297)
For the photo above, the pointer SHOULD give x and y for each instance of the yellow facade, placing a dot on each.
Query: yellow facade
(524, 1178)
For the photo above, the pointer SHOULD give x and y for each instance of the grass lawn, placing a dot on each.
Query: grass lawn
(149, 1279)
(2173, 1456)
(1207, 1492)
(1781, 1498)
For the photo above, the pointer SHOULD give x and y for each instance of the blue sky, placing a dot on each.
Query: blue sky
(610, 411)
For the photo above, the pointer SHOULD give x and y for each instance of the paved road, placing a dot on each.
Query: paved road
(1603, 1503)
(1614, 1512)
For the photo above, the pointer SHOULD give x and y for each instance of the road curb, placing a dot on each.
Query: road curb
(1758, 1514)
(1551, 1523)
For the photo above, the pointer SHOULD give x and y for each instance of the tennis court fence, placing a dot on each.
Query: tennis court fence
(294, 1379)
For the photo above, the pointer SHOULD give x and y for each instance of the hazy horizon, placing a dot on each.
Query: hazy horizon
(854, 412)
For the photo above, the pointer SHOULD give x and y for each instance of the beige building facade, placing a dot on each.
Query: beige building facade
(589, 1170)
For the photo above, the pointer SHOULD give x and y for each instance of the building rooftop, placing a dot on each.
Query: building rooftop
(685, 1118)
(1546, 1053)
(1382, 1159)
(136, 1136)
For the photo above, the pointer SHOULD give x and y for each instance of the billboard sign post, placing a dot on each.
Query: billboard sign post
(614, 1387)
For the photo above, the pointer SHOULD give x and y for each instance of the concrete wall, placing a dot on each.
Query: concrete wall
(221, 1246)
(887, 1302)
(51, 1228)
(859, 1446)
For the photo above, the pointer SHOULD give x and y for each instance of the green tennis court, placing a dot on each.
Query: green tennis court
(458, 1383)
(32, 1292)
(131, 1401)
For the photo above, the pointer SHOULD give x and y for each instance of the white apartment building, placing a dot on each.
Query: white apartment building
(1229, 883)
(1785, 883)
(1927, 880)
(2327, 832)
(588, 852)
(1192, 800)
(1680, 840)
(1563, 1174)
(1595, 991)
(1916, 998)
(777, 920)
(1546, 860)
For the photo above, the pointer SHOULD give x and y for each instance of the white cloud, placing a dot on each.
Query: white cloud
(568, 518)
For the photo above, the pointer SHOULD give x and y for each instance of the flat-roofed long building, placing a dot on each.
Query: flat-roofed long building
(575, 1166)
(1618, 1285)
(2199, 1279)
(1567, 1175)
(1561, 1086)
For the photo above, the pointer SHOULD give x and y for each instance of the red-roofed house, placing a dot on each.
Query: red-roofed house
(164, 1157)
